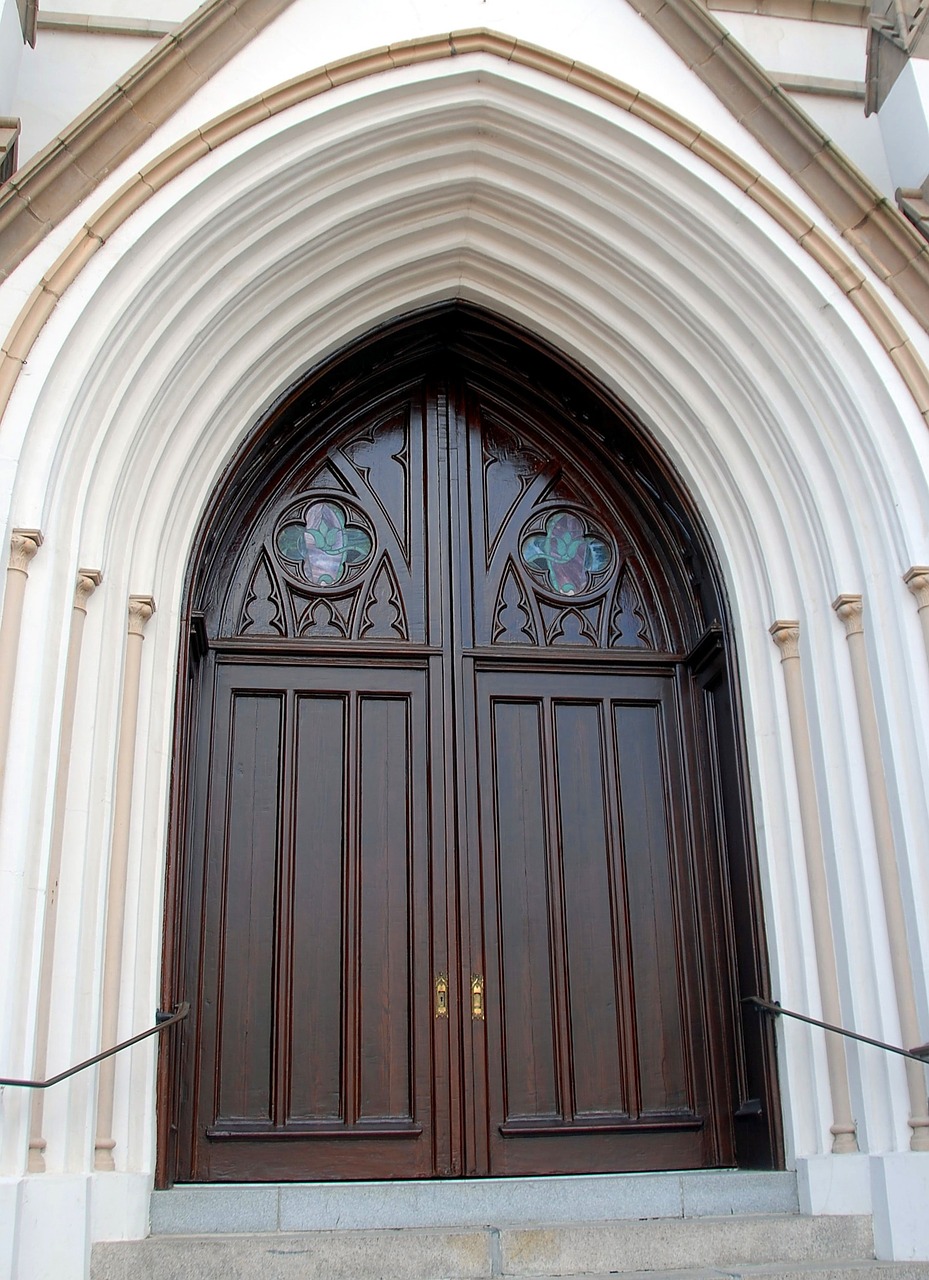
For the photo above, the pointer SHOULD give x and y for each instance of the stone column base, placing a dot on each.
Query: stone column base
(900, 1196)
(830, 1184)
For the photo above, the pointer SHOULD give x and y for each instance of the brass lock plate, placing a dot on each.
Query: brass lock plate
(441, 995)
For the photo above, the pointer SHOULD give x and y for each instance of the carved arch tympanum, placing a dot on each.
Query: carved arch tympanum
(461, 879)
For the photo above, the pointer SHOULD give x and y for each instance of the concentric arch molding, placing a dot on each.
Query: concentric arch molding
(188, 150)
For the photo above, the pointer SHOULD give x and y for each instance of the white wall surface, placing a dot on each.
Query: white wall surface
(787, 45)
(63, 75)
(904, 120)
(859, 136)
(154, 10)
(11, 52)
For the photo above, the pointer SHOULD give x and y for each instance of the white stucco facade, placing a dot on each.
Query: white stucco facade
(467, 177)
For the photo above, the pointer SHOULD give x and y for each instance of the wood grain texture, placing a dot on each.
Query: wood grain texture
(496, 739)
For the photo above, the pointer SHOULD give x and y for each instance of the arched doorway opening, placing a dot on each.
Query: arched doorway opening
(461, 877)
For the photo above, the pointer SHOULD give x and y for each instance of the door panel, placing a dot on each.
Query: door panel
(585, 837)
(521, 870)
(250, 842)
(592, 969)
(317, 925)
(319, 931)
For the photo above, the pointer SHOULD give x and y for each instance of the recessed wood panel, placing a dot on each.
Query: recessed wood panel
(656, 976)
(587, 990)
(521, 850)
(593, 943)
(383, 806)
(319, 906)
(251, 865)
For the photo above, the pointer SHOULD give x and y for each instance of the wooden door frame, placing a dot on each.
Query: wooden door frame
(520, 365)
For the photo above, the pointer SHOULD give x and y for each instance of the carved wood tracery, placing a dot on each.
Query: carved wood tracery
(477, 731)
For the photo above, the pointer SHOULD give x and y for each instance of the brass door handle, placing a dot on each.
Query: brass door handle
(477, 996)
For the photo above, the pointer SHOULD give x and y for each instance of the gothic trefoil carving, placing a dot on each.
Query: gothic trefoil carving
(323, 621)
(262, 614)
(380, 455)
(573, 625)
(509, 467)
(382, 617)
(513, 622)
(628, 620)
(342, 550)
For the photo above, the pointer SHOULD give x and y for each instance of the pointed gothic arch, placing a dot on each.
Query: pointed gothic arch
(459, 711)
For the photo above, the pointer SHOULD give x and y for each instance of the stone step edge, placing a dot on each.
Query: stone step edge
(234, 1207)
(825, 1269)
(717, 1246)
(853, 1268)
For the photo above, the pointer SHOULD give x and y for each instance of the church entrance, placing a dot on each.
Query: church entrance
(460, 883)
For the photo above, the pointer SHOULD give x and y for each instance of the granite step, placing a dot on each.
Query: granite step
(762, 1245)
(473, 1202)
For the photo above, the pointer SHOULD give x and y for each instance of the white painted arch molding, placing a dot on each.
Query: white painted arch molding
(474, 178)
(484, 181)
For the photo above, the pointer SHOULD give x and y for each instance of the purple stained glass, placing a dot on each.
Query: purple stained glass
(326, 544)
(565, 555)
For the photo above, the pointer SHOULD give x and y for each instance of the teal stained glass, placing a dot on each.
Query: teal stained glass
(325, 544)
(565, 555)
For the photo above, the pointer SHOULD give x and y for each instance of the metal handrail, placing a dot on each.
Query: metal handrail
(919, 1054)
(162, 1022)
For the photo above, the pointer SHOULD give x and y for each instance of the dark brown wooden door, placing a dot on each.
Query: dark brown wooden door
(317, 923)
(584, 861)
(451, 897)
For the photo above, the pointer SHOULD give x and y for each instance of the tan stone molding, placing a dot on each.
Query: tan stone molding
(140, 611)
(786, 635)
(917, 579)
(101, 25)
(28, 12)
(87, 582)
(194, 146)
(55, 181)
(846, 13)
(872, 225)
(850, 610)
(24, 543)
(820, 86)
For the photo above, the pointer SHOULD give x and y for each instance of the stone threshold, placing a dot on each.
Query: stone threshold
(198, 1209)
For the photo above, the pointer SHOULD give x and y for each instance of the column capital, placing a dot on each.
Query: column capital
(24, 543)
(786, 635)
(141, 609)
(917, 579)
(87, 582)
(850, 609)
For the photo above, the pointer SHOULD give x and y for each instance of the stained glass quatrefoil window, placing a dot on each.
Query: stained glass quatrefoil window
(325, 544)
(566, 556)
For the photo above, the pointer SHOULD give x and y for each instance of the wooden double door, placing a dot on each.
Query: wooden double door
(451, 898)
